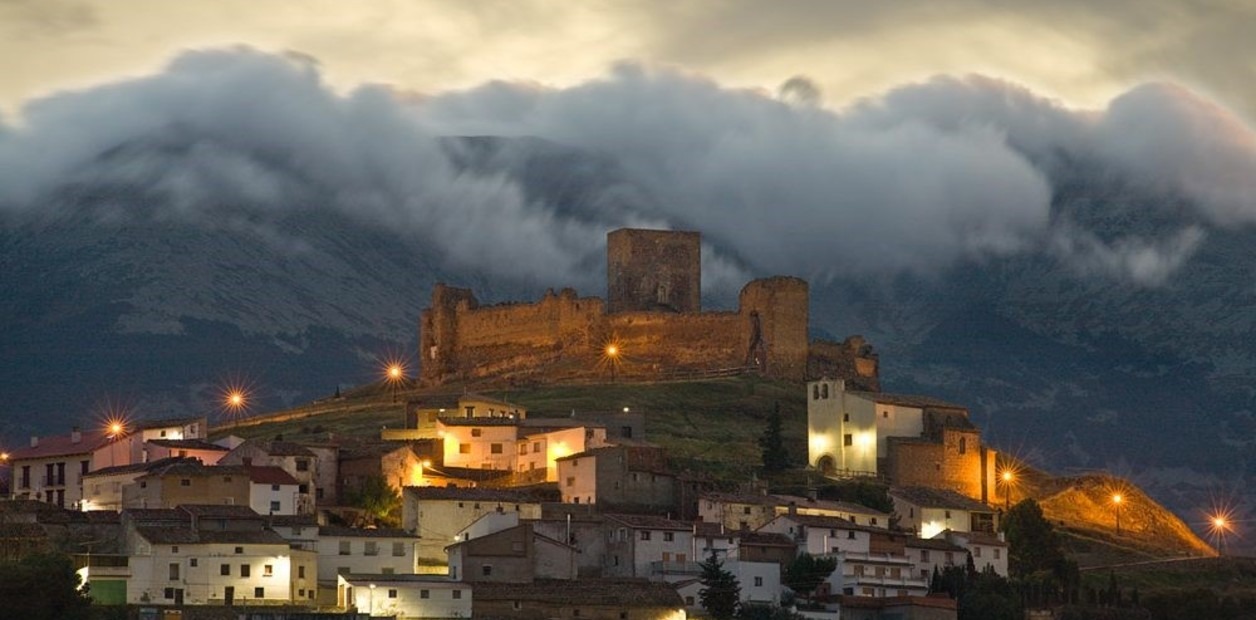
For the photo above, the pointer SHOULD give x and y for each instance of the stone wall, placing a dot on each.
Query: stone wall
(655, 270)
(919, 462)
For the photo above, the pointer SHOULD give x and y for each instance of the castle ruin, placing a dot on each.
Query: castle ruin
(652, 315)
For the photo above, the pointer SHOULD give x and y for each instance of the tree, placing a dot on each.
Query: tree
(1033, 544)
(775, 456)
(807, 572)
(42, 587)
(720, 591)
(380, 501)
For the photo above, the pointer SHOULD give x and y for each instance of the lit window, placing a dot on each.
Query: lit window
(268, 570)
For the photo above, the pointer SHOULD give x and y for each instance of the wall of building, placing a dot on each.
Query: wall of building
(169, 491)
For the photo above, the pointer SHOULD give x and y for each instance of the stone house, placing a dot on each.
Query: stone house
(752, 511)
(624, 477)
(398, 464)
(187, 481)
(102, 488)
(516, 554)
(204, 451)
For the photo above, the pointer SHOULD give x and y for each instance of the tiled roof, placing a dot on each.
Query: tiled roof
(650, 522)
(140, 467)
(467, 473)
(927, 497)
(628, 593)
(219, 511)
(292, 520)
(21, 531)
(269, 475)
(833, 523)
(978, 538)
(283, 448)
(557, 423)
(154, 515)
(184, 535)
(932, 544)
(785, 500)
(61, 445)
(187, 444)
(906, 400)
(362, 532)
(765, 539)
(166, 422)
(484, 421)
(194, 468)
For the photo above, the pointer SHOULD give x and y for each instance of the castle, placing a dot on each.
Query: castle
(650, 326)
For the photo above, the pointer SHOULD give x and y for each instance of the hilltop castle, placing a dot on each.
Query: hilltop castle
(652, 316)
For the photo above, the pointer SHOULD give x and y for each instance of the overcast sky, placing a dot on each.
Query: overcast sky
(1081, 52)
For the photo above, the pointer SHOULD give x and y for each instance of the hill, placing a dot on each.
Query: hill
(711, 427)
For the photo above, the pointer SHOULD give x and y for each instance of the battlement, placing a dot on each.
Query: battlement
(652, 315)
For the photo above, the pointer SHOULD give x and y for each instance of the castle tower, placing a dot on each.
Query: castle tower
(653, 270)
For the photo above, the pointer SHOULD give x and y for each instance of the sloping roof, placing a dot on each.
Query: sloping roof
(292, 520)
(219, 511)
(261, 474)
(167, 535)
(906, 400)
(927, 497)
(558, 423)
(466, 473)
(62, 445)
(283, 448)
(978, 538)
(765, 539)
(832, 523)
(140, 467)
(785, 500)
(633, 593)
(362, 532)
(187, 444)
(472, 494)
(649, 522)
(166, 422)
(155, 515)
(22, 531)
(937, 544)
(192, 468)
(372, 450)
(484, 421)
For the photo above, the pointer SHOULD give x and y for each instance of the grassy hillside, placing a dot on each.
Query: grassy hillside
(711, 427)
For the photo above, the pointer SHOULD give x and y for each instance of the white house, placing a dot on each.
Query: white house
(929, 511)
(405, 596)
(848, 430)
(988, 549)
(648, 546)
(213, 555)
(437, 514)
(346, 550)
(272, 491)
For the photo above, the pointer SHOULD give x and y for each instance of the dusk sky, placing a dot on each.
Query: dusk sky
(1082, 53)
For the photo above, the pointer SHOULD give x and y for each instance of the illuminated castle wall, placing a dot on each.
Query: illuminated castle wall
(653, 316)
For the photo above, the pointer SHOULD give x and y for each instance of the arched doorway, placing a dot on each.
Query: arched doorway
(827, 465)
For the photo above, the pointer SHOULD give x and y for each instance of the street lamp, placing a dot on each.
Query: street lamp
(395, 374)
(612, 356)
(1116, 503)
(1009, 479)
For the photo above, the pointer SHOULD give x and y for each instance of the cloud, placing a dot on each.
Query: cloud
(922, 178)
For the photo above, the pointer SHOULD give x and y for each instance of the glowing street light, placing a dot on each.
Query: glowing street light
(1116, 504)
(1008, 479)
(611, 353)
(395, 375)
(1220, 524)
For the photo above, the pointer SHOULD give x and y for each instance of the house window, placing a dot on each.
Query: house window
(399, 549)
(745, 510)
(301, 592)
(924, 555)
(246, 570)
(669, 536)
(259, 592)
(758, 582)
(885, 414)
(948, 514)
(846, 417)
(976, 552)
(174, 571)
(464, 448)
(301, 572)
(571, 481)
(392, 593)
(997, 553)
(224, 569)
(239, 549)
(185, 482)
(645, 535)
(824, 390)
(372, 547)
(268, 570)
(303, 465)
(345, 547)
(871, 520)
(387, 570)
(192, 562)
(477, 432)
(274, 487)
(84, 467)
(486, 570)
(174, 549)
(850, 535)
(303, 489)
(457, 594)
(848, 439)
(425, 594)
(523, 448)
(495, 448)
(815, 392)
(168, 593)
(274, 506)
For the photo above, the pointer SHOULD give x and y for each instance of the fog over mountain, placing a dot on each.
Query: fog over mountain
(1080, 278)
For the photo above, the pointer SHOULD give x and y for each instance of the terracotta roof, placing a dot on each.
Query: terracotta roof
(928, 497)
(185, 535)
(154, 515)
(467, 473)
(484, 421)
(628, 593)
(283, 448)
(260, 474)
(219, 511)
(362, 532)
(906, 400)
(195, 468)
(559, 423)
(292, 520)
(62, 445)
(932, 544)
(187, 444)
(650, 522)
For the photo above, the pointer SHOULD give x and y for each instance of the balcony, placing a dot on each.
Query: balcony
(101, 565)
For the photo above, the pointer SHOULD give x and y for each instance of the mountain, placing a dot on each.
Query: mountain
(111, 298)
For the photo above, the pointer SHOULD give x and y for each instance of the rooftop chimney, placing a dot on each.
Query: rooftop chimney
(75, 435)
(34, 442)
